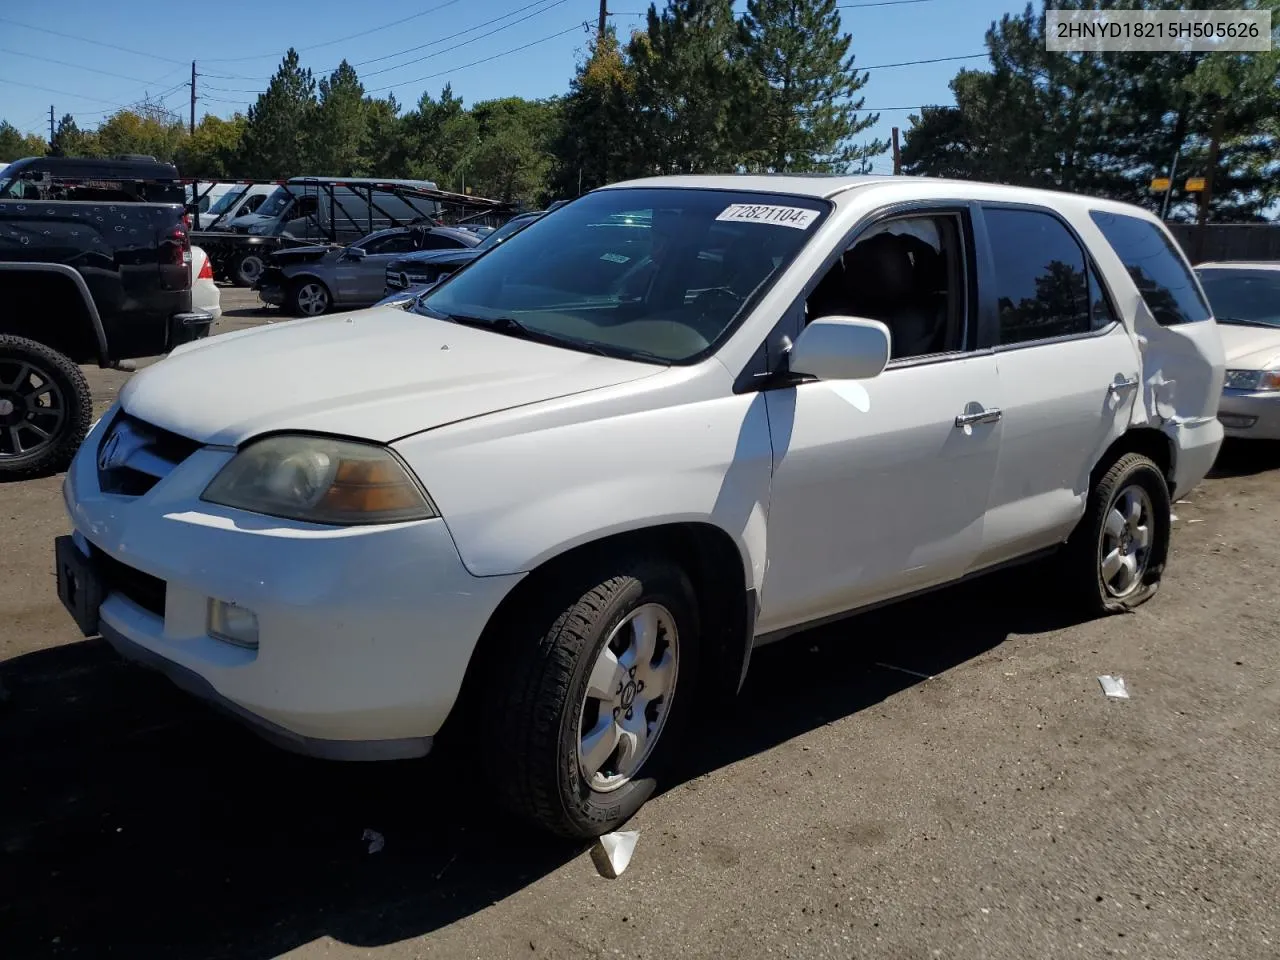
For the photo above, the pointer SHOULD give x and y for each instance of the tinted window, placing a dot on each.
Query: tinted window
(651, 273)
(1249, 295)
(1041, 284)
(1103, 313)
(1156, 266)
(439, 241)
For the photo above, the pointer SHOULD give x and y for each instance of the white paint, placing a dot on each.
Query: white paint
(835, 494)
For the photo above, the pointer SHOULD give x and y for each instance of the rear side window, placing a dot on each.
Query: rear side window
(1157, 268)
(1042, 280)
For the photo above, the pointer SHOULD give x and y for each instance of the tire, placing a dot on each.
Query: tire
(309, 298)
(41, 392)
(248, 268)
(1103, 535)
(539, 706)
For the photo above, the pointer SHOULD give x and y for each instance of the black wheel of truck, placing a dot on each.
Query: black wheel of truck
(247, 270)
(45, 408)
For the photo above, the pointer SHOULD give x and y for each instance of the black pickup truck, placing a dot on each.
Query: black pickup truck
(95, 267)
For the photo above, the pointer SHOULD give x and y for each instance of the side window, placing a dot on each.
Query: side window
(909, 273)
(251, 204)
(396, 243)
(1100, 310)
(436, 241)
(1158, 270)
(1041, 286)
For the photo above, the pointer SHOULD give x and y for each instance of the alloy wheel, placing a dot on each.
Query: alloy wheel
(1124, 548)
(32, 408)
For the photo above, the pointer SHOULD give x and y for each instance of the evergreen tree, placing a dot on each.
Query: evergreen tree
(596, 143)
(692, 89)
(804, 114)
(384, 143)
(439, 134)
(70, 141)
(276, 133)
(338, 132)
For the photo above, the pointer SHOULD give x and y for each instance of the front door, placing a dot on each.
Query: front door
(880, 486)
(1069, 376)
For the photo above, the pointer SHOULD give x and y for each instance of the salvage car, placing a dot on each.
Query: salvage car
(310, 281)
(1246, 302)
(417, 270)
(560, 501)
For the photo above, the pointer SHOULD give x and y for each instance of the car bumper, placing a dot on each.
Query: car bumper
(272, 294)
(1197, 443)
(364, 633)
(192, 325)
(1248, 415)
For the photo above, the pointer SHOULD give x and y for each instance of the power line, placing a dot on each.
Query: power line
(100, 43)
(583, 24)
(60, 93)
(329, 43)
(77, 66)
(912, 63)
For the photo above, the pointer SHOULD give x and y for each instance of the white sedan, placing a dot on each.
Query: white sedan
(1246, 303)
(205, 295)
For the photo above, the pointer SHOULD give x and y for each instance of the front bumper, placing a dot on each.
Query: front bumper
(365, 633)
(1249, 415)
(192, 325)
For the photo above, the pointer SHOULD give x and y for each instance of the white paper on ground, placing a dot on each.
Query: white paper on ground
(1114, 687)
(613, 851)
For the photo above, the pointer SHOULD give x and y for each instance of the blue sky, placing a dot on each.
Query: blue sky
(237, 45)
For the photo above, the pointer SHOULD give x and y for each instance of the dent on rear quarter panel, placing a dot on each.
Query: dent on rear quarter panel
(520, 492)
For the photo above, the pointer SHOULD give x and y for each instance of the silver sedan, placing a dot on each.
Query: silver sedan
(1246, 303)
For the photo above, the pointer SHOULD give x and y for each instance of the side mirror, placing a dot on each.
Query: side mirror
(840, 348)
(356, 253)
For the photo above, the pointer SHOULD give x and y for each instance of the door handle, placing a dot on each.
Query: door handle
(1124, 384)
(990, 415)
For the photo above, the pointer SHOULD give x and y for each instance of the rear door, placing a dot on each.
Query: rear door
(1069, 375)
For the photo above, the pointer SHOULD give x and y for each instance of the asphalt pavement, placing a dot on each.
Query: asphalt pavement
(940, 779)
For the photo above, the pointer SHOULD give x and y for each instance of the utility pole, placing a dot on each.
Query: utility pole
(193, 98)
(1173, 172)
(1206, 195)
(897, 154)
(604, 13)
(51, 124)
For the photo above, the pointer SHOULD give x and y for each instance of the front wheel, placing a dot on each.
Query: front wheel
(45, 408)
(309, 298)
(1116, 556)
(584, 718)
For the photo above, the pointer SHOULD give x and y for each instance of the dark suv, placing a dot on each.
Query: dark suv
(95, 267)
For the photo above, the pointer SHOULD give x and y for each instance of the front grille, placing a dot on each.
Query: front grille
(134, 455)
(396, 280)
(146, 591)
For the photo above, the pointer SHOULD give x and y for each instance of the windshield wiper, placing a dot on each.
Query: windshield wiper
(1247, 323)
(514, 328)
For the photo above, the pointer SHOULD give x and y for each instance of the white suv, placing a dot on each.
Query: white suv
(563, 496)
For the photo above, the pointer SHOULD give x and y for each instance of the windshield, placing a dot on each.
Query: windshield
(508, 229)
(275, 204)
(1252, 296)
(226, 201)
(648, 273)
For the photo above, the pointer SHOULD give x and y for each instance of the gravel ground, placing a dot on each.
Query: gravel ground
(1002, 808)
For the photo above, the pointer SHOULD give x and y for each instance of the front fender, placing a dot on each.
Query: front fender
(520, 488)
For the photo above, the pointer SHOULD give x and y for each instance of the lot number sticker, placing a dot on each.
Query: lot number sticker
(797, 217)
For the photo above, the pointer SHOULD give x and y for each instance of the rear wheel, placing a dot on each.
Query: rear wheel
(45, 408)
(309, 298)
(248, 268)
(585, 703)
(1116, 556)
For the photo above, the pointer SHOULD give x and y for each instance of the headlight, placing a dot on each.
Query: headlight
(320, 480)
(1252, 380)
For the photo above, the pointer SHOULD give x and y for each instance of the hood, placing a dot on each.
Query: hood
(378, 374)
(305, 254)
(1249, 347)
(435, 256)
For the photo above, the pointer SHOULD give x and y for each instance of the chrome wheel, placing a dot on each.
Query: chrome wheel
(628, 697)
(312, 299)
(32, 409)
(1124, 548)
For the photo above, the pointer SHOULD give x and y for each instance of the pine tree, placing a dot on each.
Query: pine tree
(276, 133)
(691, 88)
(338, 136)
(804, 115)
